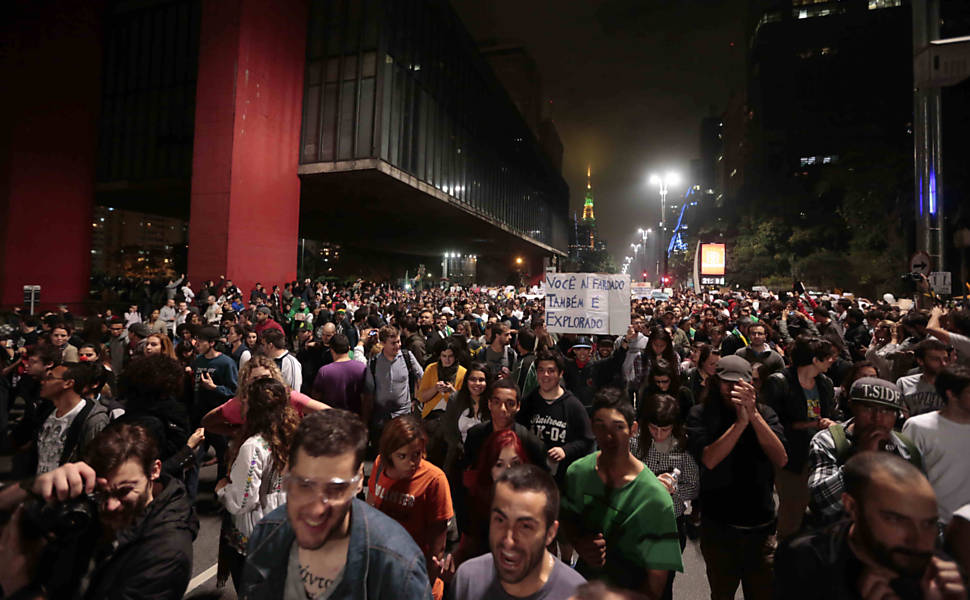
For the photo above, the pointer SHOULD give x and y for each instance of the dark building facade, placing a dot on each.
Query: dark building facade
(830, 86)
(827, 79)
(373, 124)
(397, 93)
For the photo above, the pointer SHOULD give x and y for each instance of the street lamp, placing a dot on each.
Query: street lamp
(664, 183)
(644, 237)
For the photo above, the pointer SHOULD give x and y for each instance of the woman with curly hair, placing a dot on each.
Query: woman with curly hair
(254, 487)
(151, 388)
(228, 418)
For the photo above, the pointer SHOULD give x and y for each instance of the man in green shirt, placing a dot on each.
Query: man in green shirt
(615, 511)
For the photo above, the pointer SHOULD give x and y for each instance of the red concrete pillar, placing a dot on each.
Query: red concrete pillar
(51, 69)
(244, 220)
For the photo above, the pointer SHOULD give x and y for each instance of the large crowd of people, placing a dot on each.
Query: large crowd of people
(376, 442)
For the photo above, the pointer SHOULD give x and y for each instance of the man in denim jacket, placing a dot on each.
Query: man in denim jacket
(324, 542)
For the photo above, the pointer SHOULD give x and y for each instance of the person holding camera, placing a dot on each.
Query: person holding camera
(111, 527)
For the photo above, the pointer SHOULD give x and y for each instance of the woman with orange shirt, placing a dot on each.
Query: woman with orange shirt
(413, 492)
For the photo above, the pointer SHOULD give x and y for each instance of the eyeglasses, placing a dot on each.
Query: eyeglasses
(303, 489)
(872, 409)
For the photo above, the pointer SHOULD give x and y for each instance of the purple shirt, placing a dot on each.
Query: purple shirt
(340, 384)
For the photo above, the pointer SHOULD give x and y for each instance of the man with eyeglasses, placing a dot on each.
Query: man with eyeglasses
(325, 542)
(875, 404)
(138, 546)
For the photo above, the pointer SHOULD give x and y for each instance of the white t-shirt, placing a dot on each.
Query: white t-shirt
(51, 438)
(963, 512)
(918, 395)
(962, 345)
(945, 446)
(465, 423)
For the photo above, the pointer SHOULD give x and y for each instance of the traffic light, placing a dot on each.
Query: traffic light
(644, 275)
(665, 279)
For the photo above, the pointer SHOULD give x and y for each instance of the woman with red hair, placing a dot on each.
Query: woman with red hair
(502, 450)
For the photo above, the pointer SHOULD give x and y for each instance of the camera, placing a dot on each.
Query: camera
(59, 521)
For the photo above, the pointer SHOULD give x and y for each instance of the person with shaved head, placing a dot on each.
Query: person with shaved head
(885, 549)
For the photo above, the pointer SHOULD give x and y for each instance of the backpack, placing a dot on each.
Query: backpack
(372, 365)
(510, 357)
(842, 447)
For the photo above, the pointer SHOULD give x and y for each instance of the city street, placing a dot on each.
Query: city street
(517, 249)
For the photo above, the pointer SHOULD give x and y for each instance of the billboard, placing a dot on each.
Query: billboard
(712, 259)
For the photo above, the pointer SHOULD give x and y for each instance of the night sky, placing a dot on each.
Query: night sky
(630, 81)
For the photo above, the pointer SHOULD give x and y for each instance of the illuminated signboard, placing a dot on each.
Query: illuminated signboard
(712, 259)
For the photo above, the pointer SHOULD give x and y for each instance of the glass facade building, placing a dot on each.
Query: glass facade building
(401, 81)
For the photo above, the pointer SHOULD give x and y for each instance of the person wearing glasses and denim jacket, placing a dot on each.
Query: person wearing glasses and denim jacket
(324, 541)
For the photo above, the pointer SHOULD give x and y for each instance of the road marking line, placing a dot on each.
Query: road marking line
(202, 577)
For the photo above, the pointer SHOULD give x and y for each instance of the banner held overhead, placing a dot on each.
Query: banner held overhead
(587, 303)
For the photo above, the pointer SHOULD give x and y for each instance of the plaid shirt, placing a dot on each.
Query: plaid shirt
(688, 484)
(825, 483)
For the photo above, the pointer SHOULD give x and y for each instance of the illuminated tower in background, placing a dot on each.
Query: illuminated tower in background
(589, 219)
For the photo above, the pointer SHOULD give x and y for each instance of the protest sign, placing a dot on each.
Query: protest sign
(641, 289)
(587, 303)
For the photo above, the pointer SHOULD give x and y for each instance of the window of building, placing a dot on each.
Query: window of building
(825, 159)
(818, 11)
(816, 52)
(773, 16)
(877, 4)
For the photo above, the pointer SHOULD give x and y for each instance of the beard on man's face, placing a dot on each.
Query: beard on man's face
(907, 562)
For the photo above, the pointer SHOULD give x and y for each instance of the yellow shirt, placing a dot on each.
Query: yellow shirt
(430, 379)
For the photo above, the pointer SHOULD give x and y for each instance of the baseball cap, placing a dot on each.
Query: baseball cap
(582, 342)
(139, 329)
(265, 310)
(733, 368)
(873, 390)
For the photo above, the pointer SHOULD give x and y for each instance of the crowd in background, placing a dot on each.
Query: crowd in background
(447, 439)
